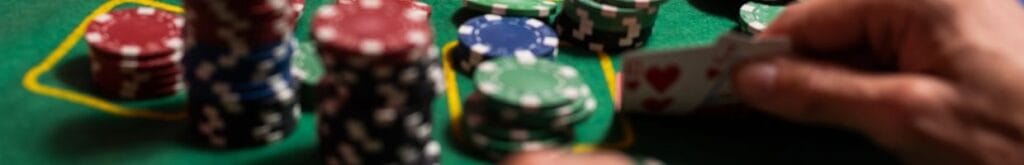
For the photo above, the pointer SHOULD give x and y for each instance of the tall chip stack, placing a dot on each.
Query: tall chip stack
(382, 74)
(523, 104)
(491, 36)
(609, 26)
(134, 53)
(241, 92)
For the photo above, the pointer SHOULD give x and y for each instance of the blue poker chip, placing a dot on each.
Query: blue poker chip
(206, 64)
(269, 87)
(277, 91)
(207, 71)
(493, 35)
(277, 50)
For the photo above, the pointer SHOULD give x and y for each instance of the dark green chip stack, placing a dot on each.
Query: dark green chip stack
(536, 9)
(607, 25)
(523, 104)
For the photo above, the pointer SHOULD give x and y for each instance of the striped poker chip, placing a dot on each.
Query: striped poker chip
(135, 32)
(493, 35)
(374, 28)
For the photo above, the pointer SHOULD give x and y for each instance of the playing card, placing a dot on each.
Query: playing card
(679, 80)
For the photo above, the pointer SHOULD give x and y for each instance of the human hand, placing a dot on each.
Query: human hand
(951, 93)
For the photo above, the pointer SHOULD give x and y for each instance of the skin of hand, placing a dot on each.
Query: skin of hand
(952, 93)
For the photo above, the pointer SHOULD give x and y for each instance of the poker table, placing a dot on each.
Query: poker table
(52, 116)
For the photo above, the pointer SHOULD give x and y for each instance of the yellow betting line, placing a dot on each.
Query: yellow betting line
(452, 87)
(31, 79)
(610, 78)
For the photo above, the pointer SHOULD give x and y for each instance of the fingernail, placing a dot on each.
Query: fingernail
(759, 79)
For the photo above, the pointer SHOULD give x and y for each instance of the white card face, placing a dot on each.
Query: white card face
(666, 81)
(680, 80)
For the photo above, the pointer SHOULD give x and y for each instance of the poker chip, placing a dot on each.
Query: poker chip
(238, 71)
(527, 8)
(134, 53)
(599, 40)
(381, 75)
(135, 33)
(637, 4)
(492, 36)
(390, 29)
(422, 6)
(240, 23)
(757, 16)
(528, 82)
(609, 26)
(475, 122)
(523, 104)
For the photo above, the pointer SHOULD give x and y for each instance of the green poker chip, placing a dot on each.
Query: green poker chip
(502, 146)
(512, 113)
(307, 68)
(585, 109)
(530, 8)
(479, 123)
(528, 82)
(757, 16)
(636, 4)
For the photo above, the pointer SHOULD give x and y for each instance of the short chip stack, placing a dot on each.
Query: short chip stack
(134, 53)
(238, 70)
(380, 80)
(492, 36)
(523, 104)
(607, 25)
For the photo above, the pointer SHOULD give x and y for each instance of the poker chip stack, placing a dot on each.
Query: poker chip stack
(491, 36)
(536, 9)
(134, 53)
(523, 104)
(238, 70)
(607, 25)
(381, 76)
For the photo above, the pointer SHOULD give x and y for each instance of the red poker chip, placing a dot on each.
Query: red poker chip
(142, 93)
(139, 85)
(123, 72)
(374, 28)
(416, 3)
(144, 64)
(135, 32)
(422, 5)
(115, 57)
(341, 56)
(108, 75)
(298, 6)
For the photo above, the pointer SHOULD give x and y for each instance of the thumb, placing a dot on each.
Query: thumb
(810, 91)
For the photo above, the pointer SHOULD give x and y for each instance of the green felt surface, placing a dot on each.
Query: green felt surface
(40, 129)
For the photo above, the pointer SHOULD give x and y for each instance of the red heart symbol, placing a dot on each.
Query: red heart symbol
(656, 105)
(662, 78)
